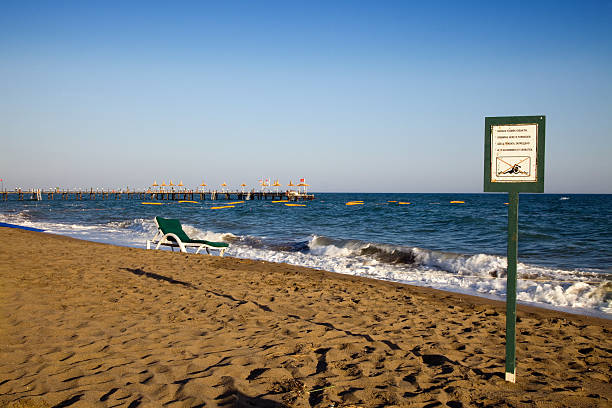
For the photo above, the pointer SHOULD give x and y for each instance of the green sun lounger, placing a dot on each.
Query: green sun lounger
(170, 233)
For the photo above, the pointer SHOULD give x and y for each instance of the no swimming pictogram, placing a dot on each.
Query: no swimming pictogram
(513, 166)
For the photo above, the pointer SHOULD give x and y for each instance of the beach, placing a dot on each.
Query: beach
(90, 324)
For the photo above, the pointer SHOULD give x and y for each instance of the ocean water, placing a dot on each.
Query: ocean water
(565, 241)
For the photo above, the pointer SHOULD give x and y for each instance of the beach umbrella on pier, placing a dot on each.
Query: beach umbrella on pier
(290, 191)
(242, 187)
(180, 184)
(203, 185)
(224, 184)
(304, 185)
(276, 184)
(264, 183)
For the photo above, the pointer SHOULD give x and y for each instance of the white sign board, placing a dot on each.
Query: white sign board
(514, 153)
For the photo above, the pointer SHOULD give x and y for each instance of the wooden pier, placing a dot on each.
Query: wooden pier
(39, 195)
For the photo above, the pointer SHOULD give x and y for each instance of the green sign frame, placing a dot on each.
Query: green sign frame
(513, 150)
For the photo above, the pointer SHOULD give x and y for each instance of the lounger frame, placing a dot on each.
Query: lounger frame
(162, 239)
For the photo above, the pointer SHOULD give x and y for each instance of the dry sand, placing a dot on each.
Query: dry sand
(85, 324)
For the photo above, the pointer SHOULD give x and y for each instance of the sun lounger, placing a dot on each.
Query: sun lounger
(170, 233)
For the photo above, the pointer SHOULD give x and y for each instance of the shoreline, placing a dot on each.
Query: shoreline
(579, 311)
(82, 319)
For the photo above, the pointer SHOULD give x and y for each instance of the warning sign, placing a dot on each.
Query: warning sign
(514, 153)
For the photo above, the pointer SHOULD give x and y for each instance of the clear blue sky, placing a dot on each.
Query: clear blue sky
(374, 96)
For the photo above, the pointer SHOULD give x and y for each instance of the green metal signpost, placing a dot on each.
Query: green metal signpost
(514, 162)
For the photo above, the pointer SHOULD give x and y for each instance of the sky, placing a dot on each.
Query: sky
(353, 96)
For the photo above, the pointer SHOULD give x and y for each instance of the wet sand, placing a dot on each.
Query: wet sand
(85, 324)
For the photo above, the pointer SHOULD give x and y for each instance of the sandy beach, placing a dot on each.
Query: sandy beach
(85, 324)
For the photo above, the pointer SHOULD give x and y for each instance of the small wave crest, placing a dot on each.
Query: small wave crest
(196, 233)
(325, 246)
(140, 224)
(264, 243)
(480, 264)
(20, 217)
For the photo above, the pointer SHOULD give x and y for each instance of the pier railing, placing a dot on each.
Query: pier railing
(39, 195)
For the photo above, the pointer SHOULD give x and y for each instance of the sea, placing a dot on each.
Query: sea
(453, 242)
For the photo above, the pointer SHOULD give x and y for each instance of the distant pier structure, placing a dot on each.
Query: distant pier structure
(57, 194)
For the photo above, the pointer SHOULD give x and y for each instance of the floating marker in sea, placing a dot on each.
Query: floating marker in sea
(295, 205)
(354, 203)
(222, 206)
(403, 203)
(457, 202)
(281, 201)
(185, 201)
(151, 203)
(235, 202)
